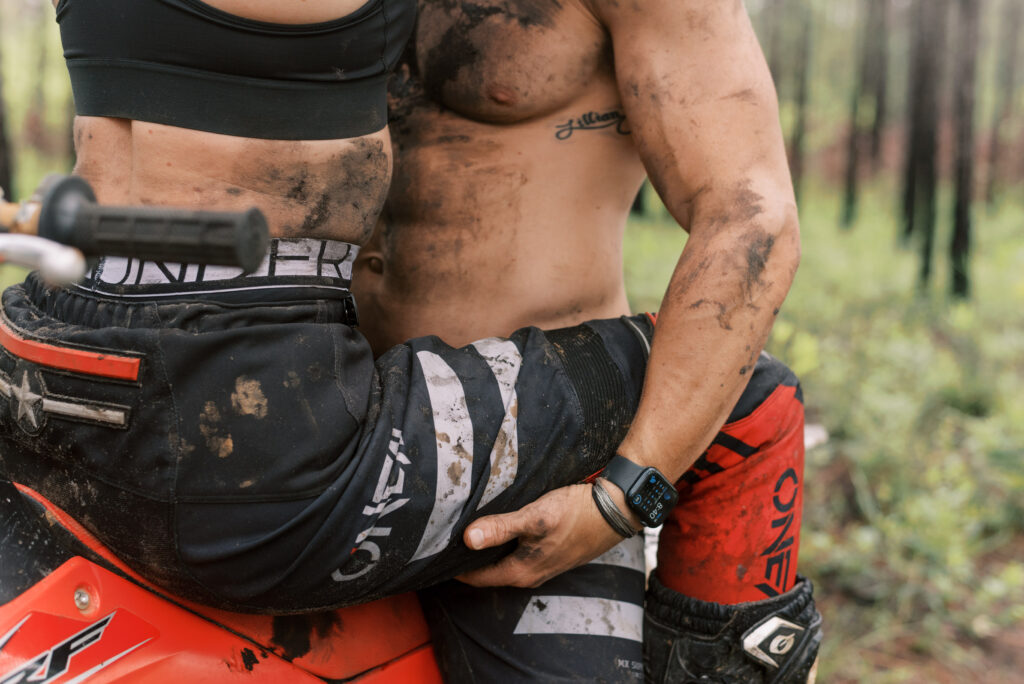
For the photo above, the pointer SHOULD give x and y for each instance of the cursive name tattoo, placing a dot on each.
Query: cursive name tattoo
(592, 121)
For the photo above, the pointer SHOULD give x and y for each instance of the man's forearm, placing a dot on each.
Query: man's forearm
(716, 316)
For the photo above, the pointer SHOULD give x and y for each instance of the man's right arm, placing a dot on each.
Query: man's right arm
(704, 116)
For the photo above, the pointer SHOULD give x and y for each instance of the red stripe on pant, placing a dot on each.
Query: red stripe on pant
(735, 534)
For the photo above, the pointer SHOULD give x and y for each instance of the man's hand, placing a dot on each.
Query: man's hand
(559, 531)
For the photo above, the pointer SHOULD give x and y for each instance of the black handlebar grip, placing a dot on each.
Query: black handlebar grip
(70, 215)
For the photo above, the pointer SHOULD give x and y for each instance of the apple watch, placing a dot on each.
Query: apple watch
(649, 494)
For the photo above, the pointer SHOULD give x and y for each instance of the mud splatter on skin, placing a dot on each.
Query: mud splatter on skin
(759, 244)
(752, 359)
(526, 551)
(317, 216)
(405, 95)
(753, 250)
(746, 95)
(454, 50)
(422, 191)
(456, 43)
(689, 273)
(350, 197)
(743, 206)
(335, 197)
(299, 191)
(723, 315)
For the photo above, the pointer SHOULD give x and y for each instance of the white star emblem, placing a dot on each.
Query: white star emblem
(27, 400)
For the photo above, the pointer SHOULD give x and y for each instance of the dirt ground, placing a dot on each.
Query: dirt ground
(1000, 660)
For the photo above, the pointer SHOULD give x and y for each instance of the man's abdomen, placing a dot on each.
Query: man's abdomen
(461, 306)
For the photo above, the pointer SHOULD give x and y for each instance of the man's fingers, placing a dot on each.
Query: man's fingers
(510, 572)
(500, 574)
(493, 530)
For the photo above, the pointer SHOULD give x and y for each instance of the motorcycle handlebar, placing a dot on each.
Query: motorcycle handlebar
(69, 215)
(57, 263)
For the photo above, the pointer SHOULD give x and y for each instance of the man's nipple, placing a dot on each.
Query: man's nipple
(502, 95)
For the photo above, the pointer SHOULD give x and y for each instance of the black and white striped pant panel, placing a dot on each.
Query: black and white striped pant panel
(584, 625)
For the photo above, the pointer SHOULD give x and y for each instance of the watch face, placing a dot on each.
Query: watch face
(652, 497)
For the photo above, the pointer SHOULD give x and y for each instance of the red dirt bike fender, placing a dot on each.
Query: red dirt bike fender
(85, 623)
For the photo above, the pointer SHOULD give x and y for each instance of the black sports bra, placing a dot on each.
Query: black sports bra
(184, 63)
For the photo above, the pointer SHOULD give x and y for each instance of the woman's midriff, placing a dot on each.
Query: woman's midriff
(329, 189)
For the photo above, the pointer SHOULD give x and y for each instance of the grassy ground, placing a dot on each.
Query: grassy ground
(914, 521)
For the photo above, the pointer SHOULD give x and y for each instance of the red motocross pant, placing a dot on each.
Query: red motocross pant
(734, 536)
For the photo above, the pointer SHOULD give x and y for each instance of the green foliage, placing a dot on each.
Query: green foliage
(916, 503)
(34, 74)
(652, 245)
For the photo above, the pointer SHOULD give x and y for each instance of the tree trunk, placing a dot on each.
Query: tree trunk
(6, 165)
(803, 58)
(963, 115)
(921, 169)
(926, 176)
(912, 133)
(34, 127)
(879, 76)
(1006, 79)
(853, 141)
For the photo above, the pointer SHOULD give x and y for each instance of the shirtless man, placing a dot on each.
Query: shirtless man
(522, 131)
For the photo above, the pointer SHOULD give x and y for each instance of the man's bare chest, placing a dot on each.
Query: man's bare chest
(504, 61)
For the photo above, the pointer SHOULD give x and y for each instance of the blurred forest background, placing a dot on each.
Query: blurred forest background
(905, 126)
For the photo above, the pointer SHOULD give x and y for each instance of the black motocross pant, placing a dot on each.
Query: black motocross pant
(234, 440)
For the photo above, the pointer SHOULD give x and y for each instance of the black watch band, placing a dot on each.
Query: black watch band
(648, 493)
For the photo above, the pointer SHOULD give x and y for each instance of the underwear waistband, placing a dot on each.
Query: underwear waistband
(291, 263)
